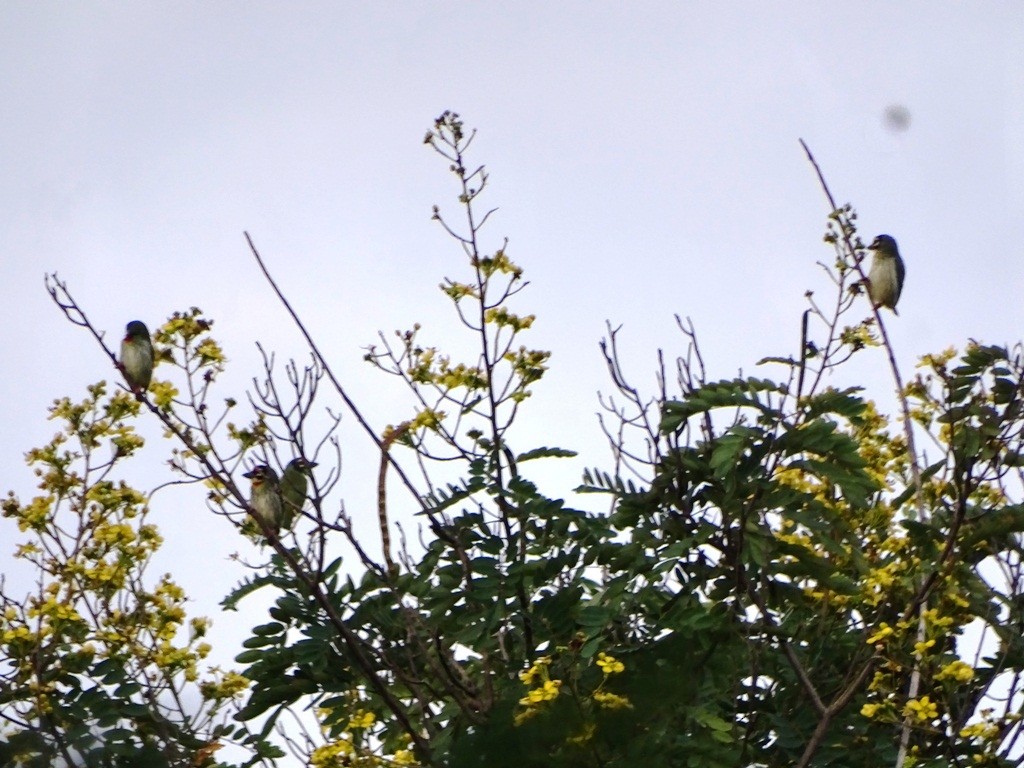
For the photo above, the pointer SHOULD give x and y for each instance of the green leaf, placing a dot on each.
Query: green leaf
(274, 628)
(844, 402)
(737, 393)
(541, 453)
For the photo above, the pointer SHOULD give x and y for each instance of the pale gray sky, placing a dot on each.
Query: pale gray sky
(644, 157)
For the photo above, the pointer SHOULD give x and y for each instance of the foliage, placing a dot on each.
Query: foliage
(780, 581)
(99, 659)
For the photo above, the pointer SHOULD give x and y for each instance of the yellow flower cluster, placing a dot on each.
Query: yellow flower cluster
(922, 710)
(185, 325)
(547, 692)
(428, 418)
(548, 689)
(230, 685)
(884, 632)
(984, 730)
(934, 620)
(403, 757)
(611, 700)
(15, 634)
(427, 367)
(545, 689)
(858, 336)
(538, 670)
(609, 664)
(333, 755)
(209, 351)
(958, 670)
(529, 365)
(870, 710)
(105, 577)
(53, 609)
(458, 291)
(503, 318)
(36, 514)
(115, 534)
(361, 720)
(877, 584)
(343, 753)
(163, 394)
(922, 647)
(499, 262)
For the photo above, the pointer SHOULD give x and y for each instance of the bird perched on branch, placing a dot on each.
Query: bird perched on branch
(885, 279)
(265, 498)
(294, 484)
(137, 357)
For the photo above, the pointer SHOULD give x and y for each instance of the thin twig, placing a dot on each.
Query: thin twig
(908, 431)
(330, 375)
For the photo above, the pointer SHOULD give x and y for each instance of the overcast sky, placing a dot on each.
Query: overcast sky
(644, 157)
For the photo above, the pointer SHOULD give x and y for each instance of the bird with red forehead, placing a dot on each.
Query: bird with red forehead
(265, 498)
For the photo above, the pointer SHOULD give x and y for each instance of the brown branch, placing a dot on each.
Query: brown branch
(382, 507)
(330, 375)
(915, 468)
(787, 649)
(833, 709)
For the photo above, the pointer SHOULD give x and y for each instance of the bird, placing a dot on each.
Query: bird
(265, 498)
(294, 483)
(885, 279)
(137, 357)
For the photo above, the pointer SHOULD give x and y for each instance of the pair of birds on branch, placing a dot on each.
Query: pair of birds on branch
(275, 501)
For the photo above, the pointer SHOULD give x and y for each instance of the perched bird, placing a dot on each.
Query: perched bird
(137, 357)
(294, 483)
(265, 499)
(885, 280)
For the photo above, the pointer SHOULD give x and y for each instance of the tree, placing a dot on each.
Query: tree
(779, 582)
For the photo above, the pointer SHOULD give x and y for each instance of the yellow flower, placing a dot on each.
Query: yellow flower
(934, 620)
(920, 648)
(957, 670)
(210, 351)
(404, 757)
(584, 736)
(230, 685)
(923, 710)
(11, 635)
(502, 317)
(547, 692)
(361, 719)
(611, 700)
(163, 393)
(884, 631)
(986, 731)
(609, 664)
(428, 419)
(537, 670)
(333, 755)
